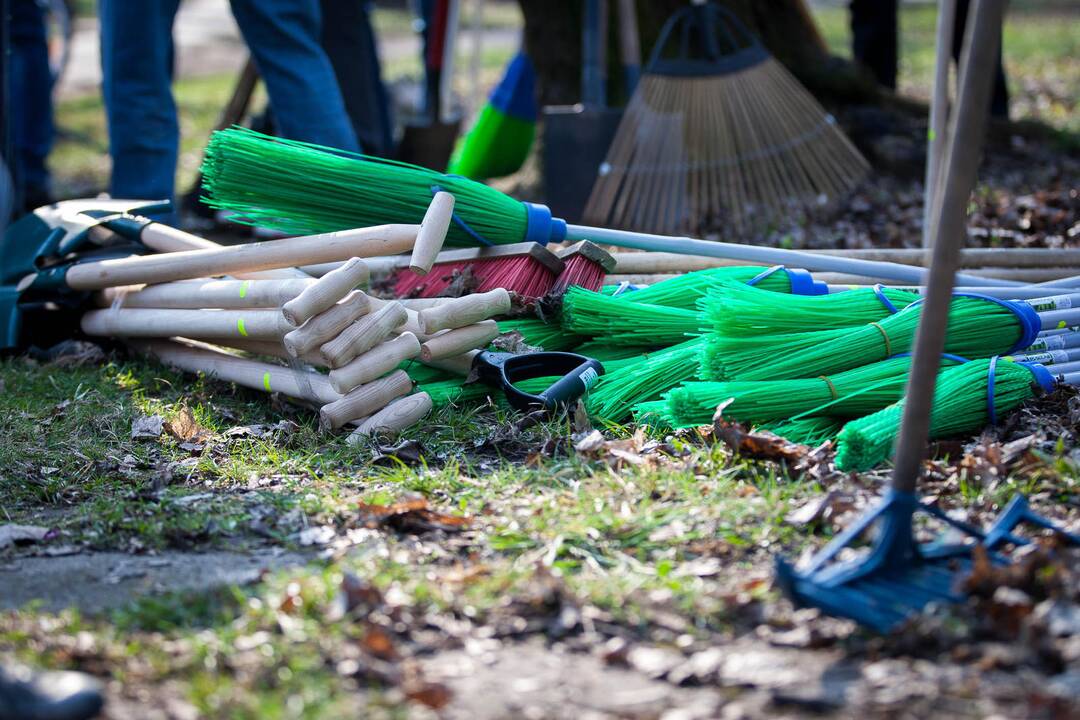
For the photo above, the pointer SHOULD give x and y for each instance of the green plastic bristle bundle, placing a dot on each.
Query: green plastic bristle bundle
(737, 309)
(812, 430)
(606, 353)
(683, 291)
(304, 188)
(728, 358)
(978, 328)
(540, 334)
(650, 412)
(454, 391)
(629, 382)
(960, 406)
(590, 313)
(851, 393)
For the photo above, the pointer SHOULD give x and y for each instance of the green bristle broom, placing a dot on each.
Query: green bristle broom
(499, 141)
(541, 334)
(978, 327)
(626, 323)
(811, 430)
(849, 394)
(736, 309)
(629, 382)
(303, 188)
(683, 291)
(962, 403)
(299, 190)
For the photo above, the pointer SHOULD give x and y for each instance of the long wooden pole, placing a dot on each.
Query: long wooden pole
(327, 247)
(966, 130)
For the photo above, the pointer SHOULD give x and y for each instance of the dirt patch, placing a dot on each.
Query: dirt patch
(99, 581)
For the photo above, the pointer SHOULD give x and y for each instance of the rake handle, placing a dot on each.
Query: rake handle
(939, 111)
(966, 130)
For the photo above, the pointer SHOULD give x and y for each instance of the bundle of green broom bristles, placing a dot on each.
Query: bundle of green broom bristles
(811, 368)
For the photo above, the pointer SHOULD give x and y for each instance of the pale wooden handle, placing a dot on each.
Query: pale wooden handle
(395, 417)
(459, 340)
(267, 347)
(412, 319)
(432, 233)
(326, 325)
(167, 239)
(364, 400)
(363, 242)
(457, 364)
(375, 363)
(363, 335)
(327, 291)
(146, 322)
(197, 294)
(464, 311)
(303, 385)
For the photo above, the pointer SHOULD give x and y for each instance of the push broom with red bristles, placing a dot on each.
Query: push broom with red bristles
(586, 266)
(528, 269)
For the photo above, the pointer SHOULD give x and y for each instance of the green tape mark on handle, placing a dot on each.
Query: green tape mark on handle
(244, 288)
(931, 135)
(266, 381)
(240, 327)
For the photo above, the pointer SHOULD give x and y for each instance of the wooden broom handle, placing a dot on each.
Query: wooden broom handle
(198, 294)
(432, 233)
(167, 239)
(455, 342)
(364, 400)
(464, 311)
(326, 325)
(156, 322)
(375, 363)
(327, 247)
(395, 417)
(330, 288)
(242, 371)
(363, 334)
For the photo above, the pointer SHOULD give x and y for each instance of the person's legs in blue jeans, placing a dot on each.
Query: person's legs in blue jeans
(137, 69)
(283, 36)
(31, 112)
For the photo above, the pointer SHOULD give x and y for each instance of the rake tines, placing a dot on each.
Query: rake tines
(718, 134)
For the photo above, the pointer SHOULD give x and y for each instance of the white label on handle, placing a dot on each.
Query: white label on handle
(1052, 342)
(588, 376)
(1051, 302)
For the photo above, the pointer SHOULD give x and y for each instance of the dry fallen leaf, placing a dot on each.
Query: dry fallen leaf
(412, 515)
(760, 445)
(184, 427)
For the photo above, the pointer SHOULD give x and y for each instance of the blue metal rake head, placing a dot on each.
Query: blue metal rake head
(899, 577)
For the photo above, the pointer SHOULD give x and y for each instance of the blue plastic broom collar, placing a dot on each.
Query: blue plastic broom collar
(1042, 375)
(803, 283)
(540, 226)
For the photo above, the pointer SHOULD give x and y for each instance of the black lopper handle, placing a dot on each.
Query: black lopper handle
(577, 374)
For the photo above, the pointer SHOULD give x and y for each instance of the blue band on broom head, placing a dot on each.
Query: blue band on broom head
(515, 95)
(1042, 375)
(1030, 323)
(991, 378)
(880, 295)
(540, 227)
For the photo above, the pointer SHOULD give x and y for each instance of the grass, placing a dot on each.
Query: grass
(1041, 56)
(613, 538)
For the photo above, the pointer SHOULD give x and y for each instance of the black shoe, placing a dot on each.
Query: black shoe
(26, 695)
